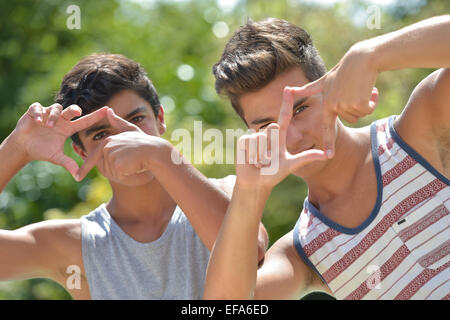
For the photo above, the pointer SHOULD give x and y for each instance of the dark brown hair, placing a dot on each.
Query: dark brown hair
(258, 52)
(96, 78)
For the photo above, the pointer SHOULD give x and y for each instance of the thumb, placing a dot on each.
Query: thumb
(303, 158)
(119, 123)
(90, 162)
(66, 162)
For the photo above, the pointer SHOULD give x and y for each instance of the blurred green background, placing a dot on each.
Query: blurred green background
(177, 42)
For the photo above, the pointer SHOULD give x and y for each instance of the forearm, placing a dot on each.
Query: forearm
(13, 159)
(425, 44)
(203, 203)
(232, 267)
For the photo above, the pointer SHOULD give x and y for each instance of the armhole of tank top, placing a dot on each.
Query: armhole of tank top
(414, 154)
(299, 248)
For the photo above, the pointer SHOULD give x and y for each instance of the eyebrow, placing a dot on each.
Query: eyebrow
(268, 119)
(136, 111)
(91, 130)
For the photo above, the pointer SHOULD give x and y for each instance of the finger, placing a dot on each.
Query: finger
(68, 163)
(285, 114)
(119, 123)
(88, 120)
(241, 150)
(262, 159)
(54, 112)
(374, 99)
(308, 90)
(90, 162)
(252, 150)
(273, 133)
(328, 132)
(35, 110)
(303, 158)
(71, 112)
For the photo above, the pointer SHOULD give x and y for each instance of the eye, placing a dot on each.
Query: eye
(100, 136)
(299, 109)
(264, 126)
(137, 119)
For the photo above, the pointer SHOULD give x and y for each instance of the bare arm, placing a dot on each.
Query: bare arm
(425, 122)
(13, 160)
(284, 275)
(133, 151)
(425, 44)
(347, 88)
(203, 202)
(232, 272)
(39, 250)
(233, 263)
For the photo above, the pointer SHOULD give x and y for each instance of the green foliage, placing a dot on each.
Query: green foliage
(37, 49)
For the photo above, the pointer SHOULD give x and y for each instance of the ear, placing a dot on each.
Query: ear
(79, 150)
(161, 123)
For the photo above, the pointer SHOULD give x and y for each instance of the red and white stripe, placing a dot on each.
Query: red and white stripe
(388, 260)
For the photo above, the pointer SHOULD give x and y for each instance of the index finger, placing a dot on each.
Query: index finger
(285, 113)
(120, 123)
(88, 120)
(90, 162)
(309, 89)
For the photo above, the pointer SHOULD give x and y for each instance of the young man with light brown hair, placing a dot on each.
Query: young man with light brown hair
(375, 223)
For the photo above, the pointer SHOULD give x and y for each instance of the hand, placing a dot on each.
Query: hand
(347, 91)
(122, 155)
(42, 131)
(263, 159)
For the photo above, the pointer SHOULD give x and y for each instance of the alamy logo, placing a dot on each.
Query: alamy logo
(374, 280)
(74, 280)
(74, 20)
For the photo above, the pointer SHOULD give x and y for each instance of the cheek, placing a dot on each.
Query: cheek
(295, 136)
(149, 128)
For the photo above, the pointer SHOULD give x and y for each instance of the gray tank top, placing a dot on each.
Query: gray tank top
(119, 267)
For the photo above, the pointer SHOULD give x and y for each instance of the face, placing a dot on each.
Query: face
(262, 107)
(131, 107)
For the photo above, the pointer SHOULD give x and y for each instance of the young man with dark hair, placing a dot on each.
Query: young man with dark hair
(375, 224)
(140, 245)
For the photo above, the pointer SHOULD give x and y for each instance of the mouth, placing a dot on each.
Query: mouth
(310, 148)
(303, 150)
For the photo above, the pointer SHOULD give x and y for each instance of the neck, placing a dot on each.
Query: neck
(147, 204)
(338, 175)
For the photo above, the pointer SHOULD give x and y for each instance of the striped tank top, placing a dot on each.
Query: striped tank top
(401, 251)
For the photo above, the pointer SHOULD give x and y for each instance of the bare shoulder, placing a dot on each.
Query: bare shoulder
(425, 122)
(51, 230)
(62, 237)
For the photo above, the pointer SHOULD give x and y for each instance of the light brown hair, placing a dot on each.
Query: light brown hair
(258, 52)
